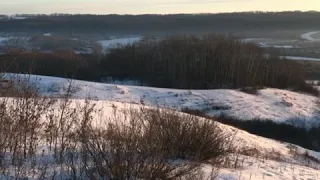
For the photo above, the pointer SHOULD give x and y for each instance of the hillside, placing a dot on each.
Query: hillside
(273, 104)
(257, 158)
(254, 158)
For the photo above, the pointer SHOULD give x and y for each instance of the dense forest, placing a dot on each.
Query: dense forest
(58, 63)
(205, 62)
(180, 61)
(182, 23)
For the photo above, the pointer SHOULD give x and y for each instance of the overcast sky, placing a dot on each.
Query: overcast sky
(152, 6)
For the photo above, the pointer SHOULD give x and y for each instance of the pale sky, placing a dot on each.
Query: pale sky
(152, 6)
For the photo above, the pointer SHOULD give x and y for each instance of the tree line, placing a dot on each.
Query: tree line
(290, 132)
(180, 61)
(202, 62)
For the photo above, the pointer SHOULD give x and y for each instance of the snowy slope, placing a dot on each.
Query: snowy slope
(308, 36)
(270, 159)
(274, 104)
(259, 169)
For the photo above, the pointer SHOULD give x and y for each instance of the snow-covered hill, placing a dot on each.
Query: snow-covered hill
(279, 105)
(257, 157)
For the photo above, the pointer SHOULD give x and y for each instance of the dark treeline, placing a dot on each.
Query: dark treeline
(183, 62)
(226, 22)
(206, 62)
(307, 138)
(299, 135)
(64, 64)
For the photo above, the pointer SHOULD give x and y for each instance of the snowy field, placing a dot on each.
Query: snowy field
(308, 36)
(300, 58)
(268, 159)
(271, 43)
(264, 45)
(17, 18)
(3, 39)
(107, 44)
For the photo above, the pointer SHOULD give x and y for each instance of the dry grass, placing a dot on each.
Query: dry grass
(155, 144)
(146, 144)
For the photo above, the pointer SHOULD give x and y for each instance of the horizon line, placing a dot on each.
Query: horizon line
(132, 14)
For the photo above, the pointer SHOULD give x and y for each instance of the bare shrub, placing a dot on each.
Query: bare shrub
(308, 157)
(185, 136)
(62, 125)
(26, 112)
(152, 144)
(194, 112)
(250, 90)
(21, 123)
(253, 152)
(122, 151)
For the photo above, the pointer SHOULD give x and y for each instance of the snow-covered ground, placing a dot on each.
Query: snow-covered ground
(308, 36)
(271, 43)
(301, 58)
(267, 43)
(257, 157)
(264, 45)
(259, 169)
(279, 105)
(268, 159)
(106, 44)
(283, 46)
(17, 18)
(47, 34)
(2, 39)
